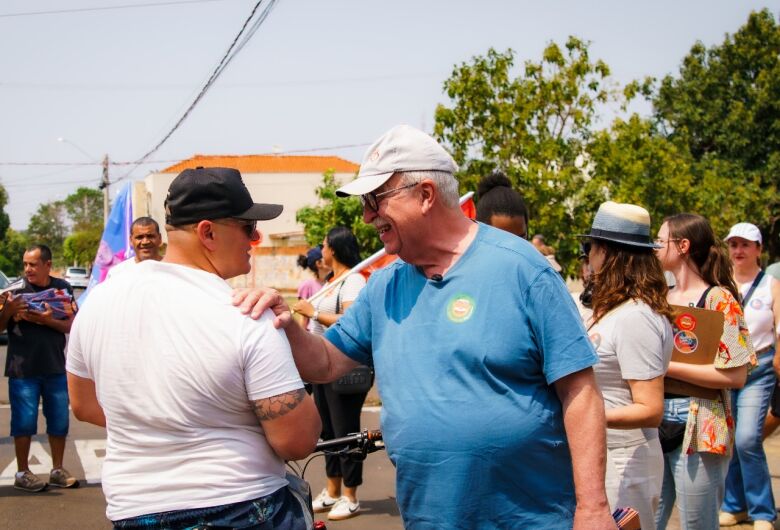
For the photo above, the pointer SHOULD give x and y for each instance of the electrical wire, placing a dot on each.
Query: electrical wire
(232, 51)
(104, 8)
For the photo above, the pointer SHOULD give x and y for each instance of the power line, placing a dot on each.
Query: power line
(97, 163)
(232, 51)
(104, 8)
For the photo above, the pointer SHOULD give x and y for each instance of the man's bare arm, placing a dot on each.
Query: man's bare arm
(291, 423)
(585, 423)
(83, 400)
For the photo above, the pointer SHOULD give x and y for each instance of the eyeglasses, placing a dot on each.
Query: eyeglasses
(371, 200)
(585, 249)
(249, 227)
(661, 241)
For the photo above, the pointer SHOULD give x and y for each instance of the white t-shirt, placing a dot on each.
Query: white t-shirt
(346, 292)
(175, 367)
(759, 317)
(119, 268)
(632, 342)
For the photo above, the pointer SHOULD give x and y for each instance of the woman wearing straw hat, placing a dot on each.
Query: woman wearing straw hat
(695, 469)
(631, 331)
(748, 483)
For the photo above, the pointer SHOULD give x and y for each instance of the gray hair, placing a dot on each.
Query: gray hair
(445, 182)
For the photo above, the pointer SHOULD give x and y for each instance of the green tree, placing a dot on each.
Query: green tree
(724, 108)
(48, 227)
(335, 211)
(12, 249)
(535, 125)
(80, 248)
(85, 209)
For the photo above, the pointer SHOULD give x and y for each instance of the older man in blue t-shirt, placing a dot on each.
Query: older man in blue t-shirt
(491, 413)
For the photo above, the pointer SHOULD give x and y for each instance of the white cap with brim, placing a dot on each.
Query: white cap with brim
(402, 148)
(747, 231)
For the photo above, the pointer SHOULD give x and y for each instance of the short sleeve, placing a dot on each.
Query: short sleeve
(557, 327)
(74, 357)
(352, 332)
(642, 344)
(267, 362)
(736, 348)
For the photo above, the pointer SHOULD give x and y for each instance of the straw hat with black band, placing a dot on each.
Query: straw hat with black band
(626, 224)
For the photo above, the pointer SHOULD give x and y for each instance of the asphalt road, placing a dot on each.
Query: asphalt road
(84, 508)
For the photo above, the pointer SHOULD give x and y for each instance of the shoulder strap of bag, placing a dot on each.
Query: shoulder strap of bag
(703, 299)
(338, 298)
(753, 286)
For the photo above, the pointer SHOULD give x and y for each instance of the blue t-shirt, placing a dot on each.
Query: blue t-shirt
(464, 368)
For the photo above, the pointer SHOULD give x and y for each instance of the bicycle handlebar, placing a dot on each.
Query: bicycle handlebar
(358, 439)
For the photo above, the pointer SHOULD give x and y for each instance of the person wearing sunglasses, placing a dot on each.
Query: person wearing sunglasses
(631, 329)
(202, 405)
(491, 413)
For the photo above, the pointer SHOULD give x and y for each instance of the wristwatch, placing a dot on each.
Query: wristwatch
(316, 315)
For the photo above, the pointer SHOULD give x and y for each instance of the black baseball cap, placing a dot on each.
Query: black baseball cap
(206, 193)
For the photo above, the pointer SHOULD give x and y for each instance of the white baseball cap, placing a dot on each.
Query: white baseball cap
(747, 231)
(402, 148)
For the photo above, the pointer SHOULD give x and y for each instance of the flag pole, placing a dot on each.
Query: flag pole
(373, 258)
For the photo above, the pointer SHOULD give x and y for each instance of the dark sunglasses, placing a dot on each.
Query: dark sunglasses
(249, 227)
(585, 249)
(371, 200)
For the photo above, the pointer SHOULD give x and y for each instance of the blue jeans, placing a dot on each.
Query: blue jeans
(696, 481)
(749, 484)
(25, 393)
(277, 511)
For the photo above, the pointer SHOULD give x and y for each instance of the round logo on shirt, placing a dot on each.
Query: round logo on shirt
(686, 341)
(460, 308)
(757, 304)
(595, 339)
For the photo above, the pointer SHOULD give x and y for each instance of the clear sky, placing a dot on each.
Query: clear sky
(317, 74)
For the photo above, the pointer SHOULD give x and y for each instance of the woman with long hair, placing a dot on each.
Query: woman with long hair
(340, 413)
(748, 483)
(695, 470)
(632, 333)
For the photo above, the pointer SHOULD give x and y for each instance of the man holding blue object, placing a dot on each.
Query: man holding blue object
(491, 413)
(35, 367)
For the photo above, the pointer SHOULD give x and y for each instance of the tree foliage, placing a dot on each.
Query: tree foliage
(79, 214)
(712, 145)
(724, 108)
(12, 249)
(80, 248)
(534, 124)
(48, 227)
(335, 211)
(85, 210)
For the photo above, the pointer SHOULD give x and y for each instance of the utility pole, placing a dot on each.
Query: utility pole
(104, 186)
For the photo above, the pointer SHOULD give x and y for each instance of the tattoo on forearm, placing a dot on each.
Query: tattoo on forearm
(277, 406)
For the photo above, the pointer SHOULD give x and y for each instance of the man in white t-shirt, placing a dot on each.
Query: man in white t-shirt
(145, 238)
(201, 403)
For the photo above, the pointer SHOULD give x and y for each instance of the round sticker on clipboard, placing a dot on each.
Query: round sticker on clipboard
(686, 341)
(685, 322)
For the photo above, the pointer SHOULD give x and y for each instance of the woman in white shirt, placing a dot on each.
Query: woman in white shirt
(340, 413)
(631, 331)
(748, 483)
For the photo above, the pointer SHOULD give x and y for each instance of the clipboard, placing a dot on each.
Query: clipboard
(696, 333)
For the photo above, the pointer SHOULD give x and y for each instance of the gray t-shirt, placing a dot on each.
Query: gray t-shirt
(632, 342)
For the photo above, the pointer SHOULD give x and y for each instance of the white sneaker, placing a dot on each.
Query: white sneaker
(344, 509)
(323, 502)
